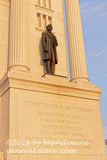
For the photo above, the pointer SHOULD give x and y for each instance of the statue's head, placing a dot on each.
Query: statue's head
(49, 27)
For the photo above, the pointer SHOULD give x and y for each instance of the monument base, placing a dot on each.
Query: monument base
(56, 157)
(49, 118)
(1, 156)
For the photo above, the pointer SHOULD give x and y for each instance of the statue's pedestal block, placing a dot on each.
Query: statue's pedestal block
(50, 118)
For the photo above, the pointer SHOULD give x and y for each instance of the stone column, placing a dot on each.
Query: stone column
(77, 59)
(18, 36)
(46, 20)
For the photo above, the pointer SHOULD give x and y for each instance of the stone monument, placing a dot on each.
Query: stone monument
(46, 117)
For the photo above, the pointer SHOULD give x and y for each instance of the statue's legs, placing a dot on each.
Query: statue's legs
(52, 63)
(48, 67)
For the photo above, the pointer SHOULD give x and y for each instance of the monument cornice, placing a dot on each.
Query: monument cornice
(50, 84)
(44, 8)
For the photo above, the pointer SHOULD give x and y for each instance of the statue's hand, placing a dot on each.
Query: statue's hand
(54, 37)
(46, 51)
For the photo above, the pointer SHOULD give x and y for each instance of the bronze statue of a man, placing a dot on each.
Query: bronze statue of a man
(49, 44)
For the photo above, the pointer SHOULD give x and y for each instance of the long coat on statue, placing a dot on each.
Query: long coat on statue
(49, 44)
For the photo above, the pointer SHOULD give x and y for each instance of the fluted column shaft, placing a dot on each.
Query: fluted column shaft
(18, 36)
(77, 59)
